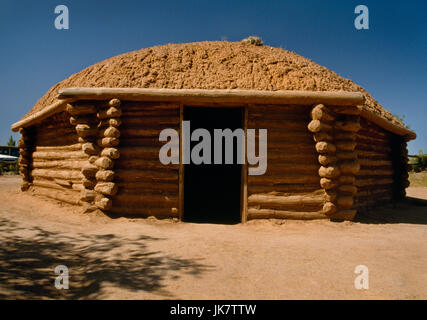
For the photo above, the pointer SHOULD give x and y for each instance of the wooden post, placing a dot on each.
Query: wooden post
(26, 148)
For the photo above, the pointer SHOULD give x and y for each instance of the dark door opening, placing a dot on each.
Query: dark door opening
(212, 192)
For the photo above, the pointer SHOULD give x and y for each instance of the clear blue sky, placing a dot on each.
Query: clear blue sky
(389, 60)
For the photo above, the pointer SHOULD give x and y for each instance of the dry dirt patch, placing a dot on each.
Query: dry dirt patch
(164, 259)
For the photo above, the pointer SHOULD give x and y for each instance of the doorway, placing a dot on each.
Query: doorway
(212, 192)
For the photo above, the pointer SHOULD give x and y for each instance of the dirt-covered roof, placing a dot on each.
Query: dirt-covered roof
(211, 65)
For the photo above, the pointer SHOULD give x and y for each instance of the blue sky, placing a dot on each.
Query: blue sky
(389, 60)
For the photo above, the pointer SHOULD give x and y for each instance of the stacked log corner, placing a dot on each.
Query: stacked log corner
(334, 133)
(96, 127)
(26, 148)
(108, 140)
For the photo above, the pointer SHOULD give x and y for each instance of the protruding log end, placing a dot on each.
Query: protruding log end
(104, 204)
(329, 208)
(106, 188)
(325, 147)
(329, 172)
(344, 215)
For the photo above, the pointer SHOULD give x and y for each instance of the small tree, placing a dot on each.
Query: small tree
(402, 120)
(11, 142)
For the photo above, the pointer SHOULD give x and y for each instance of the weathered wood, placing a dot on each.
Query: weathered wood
(59, 195)
(349, 167)
(60, 174)
(331, 171)
(345, 145)
(326, 183)
(114, 102)
(345, 202)
(325, 147)
(373, 182)
(344, 214)
(350, 189)
(87, 195)
(104, 204)
(111, 132)
(254, 213)
(322, 136)
(72, 147)
(59, 164)
(326, 159)
(84, 130)
(111, 112)
(104, 163)
(106, 188)
(288, 201)
(89, 170)
(347, 125)
(375, 172)
(80, 109)
(329, 208)
(112, 122)
(321, 113)
(112, 153)
(349, 180)
(90, 148)
(108, 142)
(105, 175)
(317, 126)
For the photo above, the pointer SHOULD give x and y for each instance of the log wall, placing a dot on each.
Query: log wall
(145, 186)
(383, 173)
(56, 159)
(290, 187)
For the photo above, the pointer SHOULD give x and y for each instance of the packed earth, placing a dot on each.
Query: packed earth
(166, 259)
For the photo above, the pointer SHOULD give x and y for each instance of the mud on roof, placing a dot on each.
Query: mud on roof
(211, 65)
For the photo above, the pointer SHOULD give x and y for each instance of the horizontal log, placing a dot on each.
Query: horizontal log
(144, 164)
(349, 167)
(143, 187)
(349, 180)
(345, 136)
(330, 195)
(254, 213)
(114, 102)
(105, 175)
(90, 148)
(72, 147)
(326, 159)
(163, 212)
(60, 195)
(288, 201)
(104, 204)
(145, 200)
(318, 126)
(283, 188)
(59, 164)
(344, 215)
(111, 122)
(329, 208)
(89, 170)
(375, 163)
(326, 183)
(60, 174)
(347, 125)
(84, 130)
(322, 136)
(53, 185)
(108, 142)
(325, 147)
(321, 113)
(331, 171)
(287, 179)
(375, 172)
(88, 120)
(104, 163)
(350, 189)
(345, 110)
(345, 145)
(146, 175)
(216, 96)
(106, 188)
(87, 195)
(80, 109)
(373, 182)
(111, 112)
(111, 132)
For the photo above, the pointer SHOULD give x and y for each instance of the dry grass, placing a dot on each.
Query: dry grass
(418, 179)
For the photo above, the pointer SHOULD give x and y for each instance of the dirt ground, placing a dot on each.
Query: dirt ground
(165, 259)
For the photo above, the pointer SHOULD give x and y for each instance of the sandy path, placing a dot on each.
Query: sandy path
(150, 259)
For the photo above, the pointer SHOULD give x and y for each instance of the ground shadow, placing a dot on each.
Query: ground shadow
(94, 261)
(411, 210)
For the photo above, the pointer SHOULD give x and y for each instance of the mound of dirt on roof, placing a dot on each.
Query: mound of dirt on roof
(211, 65)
